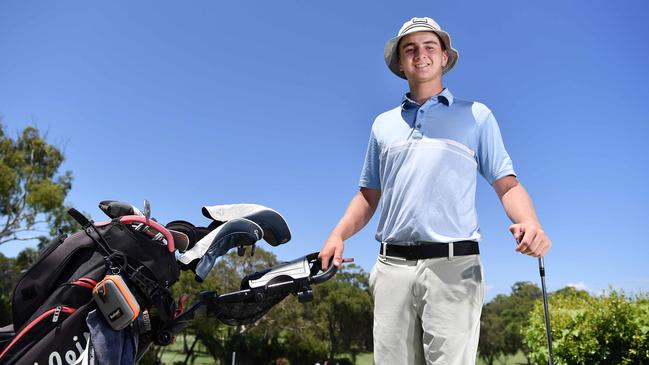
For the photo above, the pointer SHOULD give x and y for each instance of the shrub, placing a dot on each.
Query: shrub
(606, 329)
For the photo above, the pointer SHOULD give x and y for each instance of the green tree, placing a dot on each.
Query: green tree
(8, 277)
(492, 327)
(502, 319)
(344, 307)
(606, 329)
(32, 192)
(521, 302)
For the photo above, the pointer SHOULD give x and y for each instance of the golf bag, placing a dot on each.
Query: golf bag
(52, 300)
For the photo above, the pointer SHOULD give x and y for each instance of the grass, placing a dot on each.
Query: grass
(173, 353)
(518, 359)
(364, 359)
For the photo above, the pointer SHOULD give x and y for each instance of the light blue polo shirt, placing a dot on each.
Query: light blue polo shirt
(424, 159)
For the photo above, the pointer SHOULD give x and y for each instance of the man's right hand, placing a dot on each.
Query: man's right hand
(356, 216)
(332, 248)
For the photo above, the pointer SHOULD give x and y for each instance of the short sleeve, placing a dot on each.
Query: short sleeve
(493, 160)
(370, 177)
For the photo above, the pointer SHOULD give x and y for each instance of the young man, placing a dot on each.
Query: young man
(421, 163)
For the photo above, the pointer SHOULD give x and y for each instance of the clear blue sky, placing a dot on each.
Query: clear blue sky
(204, 102)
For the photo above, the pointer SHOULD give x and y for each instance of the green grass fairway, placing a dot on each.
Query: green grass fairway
(173, 354)
(518, 359)
(364, 359)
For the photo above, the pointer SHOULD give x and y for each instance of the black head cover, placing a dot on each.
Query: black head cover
(115, 209)
(194, 234)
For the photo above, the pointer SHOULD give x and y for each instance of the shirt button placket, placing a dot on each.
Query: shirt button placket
(417, 132)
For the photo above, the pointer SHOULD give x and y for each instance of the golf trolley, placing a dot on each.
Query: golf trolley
(110, 283)
(260, 292)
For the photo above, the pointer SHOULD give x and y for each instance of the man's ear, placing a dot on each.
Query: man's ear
(444, 58)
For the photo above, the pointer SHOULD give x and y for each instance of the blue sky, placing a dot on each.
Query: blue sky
(203, 102)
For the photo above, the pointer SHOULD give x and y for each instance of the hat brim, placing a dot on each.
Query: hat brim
(391, 52)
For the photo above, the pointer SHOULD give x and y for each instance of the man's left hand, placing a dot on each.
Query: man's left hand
(531, 239)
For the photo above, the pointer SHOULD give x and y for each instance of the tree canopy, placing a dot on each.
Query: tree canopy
(502, 320)
(32, 191)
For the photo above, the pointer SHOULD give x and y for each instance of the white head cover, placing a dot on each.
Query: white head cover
(276, 230)
(200, 248)
(227, 212)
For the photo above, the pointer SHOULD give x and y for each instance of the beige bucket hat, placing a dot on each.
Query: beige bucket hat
(391, 50)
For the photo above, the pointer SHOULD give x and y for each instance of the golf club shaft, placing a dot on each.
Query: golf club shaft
(545, 308)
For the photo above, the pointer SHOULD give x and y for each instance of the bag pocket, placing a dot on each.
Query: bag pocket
(35, 329)
(116, 302)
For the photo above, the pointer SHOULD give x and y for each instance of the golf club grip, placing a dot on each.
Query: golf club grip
(79, 217)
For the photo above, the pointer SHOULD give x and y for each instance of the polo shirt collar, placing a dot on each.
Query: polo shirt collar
(445, 98)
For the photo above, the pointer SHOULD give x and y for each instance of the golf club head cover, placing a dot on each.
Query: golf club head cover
(116, 209)
(276, 231)
(202, 257)
(181, 240)
(193, 233)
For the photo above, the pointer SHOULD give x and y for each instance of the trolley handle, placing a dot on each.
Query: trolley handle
(317, 266)
(324, 276)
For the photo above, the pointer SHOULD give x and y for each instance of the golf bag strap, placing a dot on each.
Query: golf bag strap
(90, 230)
(160, 297)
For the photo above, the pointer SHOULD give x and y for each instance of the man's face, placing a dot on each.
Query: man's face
(421, 56)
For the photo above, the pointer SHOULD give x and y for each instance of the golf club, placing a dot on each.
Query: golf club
(545, 309)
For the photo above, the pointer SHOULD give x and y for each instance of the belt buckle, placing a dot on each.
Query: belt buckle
(384, 249)
(384, 255)
(450, 251)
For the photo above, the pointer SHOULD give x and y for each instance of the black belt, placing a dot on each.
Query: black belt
(429, 250)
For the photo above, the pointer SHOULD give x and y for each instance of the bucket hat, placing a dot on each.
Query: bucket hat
(391, 50)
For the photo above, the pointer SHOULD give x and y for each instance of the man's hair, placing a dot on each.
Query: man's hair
(441, 42)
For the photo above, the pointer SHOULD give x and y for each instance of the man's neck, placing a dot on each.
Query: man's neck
(424, 91)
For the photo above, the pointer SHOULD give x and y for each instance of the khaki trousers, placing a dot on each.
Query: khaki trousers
(426, 311)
